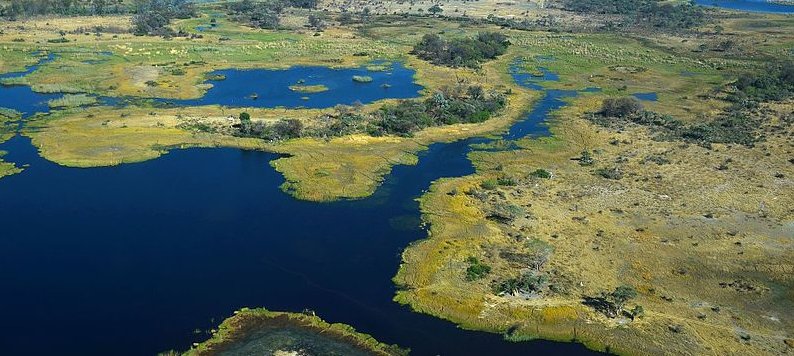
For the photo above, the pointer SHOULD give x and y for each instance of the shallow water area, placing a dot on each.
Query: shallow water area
(270, 88)
(650, 96)
(22, 98)
(749, 5)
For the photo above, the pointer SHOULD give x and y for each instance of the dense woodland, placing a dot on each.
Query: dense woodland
(461, 52)
(643, 13)
(461, 104)
(26, 8)
(265, 14)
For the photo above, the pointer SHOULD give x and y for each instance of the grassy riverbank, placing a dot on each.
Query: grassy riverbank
(701, 234)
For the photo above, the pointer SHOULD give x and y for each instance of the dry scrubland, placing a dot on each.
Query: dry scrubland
(708, 249)
(704, 235)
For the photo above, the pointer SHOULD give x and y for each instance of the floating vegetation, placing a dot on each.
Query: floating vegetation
(380, 67)
(72, 101)
(362, 79)
(319, 88)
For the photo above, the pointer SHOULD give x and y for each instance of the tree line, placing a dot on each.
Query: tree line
(460, 104)
(264, 14)
(644, 13)
(152, 17)
(26, 8)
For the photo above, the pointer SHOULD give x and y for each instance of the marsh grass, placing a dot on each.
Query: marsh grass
(72, 101)
(299, 88)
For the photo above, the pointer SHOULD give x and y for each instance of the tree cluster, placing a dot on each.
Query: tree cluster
(735, 125)
(774, 83)
(26, 8)
(611, 304)
(644, 13)
(460, 104)
(281, 130)
(264, 14)
(621, 107)
(461, 52)
(153, 16)
(445, 107)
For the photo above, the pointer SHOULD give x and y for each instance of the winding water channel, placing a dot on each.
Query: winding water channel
(129, 260)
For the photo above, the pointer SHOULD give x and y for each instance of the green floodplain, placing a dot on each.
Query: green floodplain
(639, 226)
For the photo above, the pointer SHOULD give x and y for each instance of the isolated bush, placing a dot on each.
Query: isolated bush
(621, 107)
(541, 173)
(476, 269)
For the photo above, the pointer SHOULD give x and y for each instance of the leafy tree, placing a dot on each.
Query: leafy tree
(541, 173)
(245, 122)
(153, 16)
(528, 282)
(316, 22)
(304, 4)
(611, 304)
(265, 14)
(345, 18)
(476, 269)
(435, 9)
(287, 129)
(621, 107)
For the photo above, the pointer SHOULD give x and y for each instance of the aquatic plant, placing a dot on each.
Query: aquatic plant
(319, 88)
(362, 79)
(72, 100)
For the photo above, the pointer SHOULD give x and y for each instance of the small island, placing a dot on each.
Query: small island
(300, 88)
(263, 332)
(362, 79)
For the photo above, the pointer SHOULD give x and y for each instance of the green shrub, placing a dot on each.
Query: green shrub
(489, 184)
(506, 181)
(610, 173)
(476, 269)
(541, 173)
(527, 282)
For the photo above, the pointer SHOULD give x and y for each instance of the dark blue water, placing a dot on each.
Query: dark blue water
(749, 5)
(534, 124)
(651, 96)
(271, 87)
(129, 260)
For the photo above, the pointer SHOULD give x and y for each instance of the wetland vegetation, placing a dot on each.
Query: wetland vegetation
(610, 173)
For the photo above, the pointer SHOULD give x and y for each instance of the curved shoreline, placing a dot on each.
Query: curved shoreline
(246, 323)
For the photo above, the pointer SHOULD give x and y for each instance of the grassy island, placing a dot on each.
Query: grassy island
(299, 88)
(264, 332)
